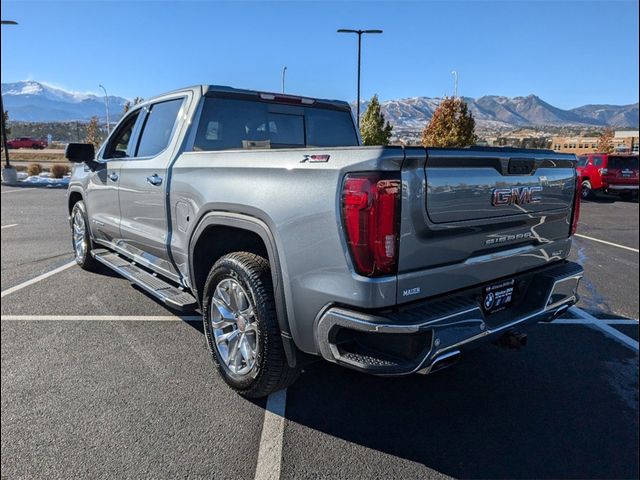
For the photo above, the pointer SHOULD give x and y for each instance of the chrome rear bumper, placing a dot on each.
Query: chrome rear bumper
(422, 337)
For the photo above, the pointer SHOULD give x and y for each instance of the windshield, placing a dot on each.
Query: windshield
(623, 163)
(245, 124)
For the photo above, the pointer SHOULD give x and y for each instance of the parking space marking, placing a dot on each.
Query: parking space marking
(37, 279)
(589, 319)
(101, 318)
(270, 452)
(607, 243)
(9, 226)
(17, 190)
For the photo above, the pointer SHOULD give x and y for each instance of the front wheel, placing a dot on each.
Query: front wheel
(81, 238)
(241, 326)
(586, 190)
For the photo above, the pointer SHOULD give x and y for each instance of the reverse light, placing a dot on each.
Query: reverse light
(371, 216)
(575, 215)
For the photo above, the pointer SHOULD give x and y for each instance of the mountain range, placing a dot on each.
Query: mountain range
(38, 102)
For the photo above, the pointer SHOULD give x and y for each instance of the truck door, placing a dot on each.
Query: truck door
(143, 189)
(102, 189)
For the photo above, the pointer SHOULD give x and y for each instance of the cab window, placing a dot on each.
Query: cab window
(119, 145)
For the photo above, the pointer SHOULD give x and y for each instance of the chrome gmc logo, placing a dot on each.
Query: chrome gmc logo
(515, 196)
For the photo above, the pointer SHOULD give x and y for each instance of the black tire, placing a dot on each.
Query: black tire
(270, 371)
(84, 259)
(587, 193)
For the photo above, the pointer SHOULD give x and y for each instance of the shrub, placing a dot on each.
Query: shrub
(59, 170)
(34, 169)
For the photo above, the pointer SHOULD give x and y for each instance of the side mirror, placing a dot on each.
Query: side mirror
(80, 153)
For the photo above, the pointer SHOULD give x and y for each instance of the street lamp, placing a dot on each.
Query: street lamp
(359, 33)
(284, 71)
(4, 127)
(455, 83)
(106, 104)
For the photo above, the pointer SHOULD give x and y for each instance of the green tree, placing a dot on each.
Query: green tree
(605, 142)
(93, 133)
(373, 128)
(7, 127)
(452, 125)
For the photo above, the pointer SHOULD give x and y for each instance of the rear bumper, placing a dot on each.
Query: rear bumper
(622, 186)
(423, 337)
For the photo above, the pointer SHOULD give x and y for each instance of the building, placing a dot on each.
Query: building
(623, 141)
(626, 141)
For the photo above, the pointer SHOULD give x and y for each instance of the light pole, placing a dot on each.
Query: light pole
(359, 33)
(106, 103)
(455, 83)
(284, 71)
(4, 127)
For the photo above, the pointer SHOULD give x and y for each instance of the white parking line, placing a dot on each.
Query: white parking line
(9, 226)
(270, 452)
(607, 243)
(36, 279)
(100, 318)
(606, 329)
(17, 190)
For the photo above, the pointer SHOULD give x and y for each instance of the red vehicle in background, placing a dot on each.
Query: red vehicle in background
(610, 173)
(27, 142)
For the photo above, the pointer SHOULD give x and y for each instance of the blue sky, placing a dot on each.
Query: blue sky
(569, 53)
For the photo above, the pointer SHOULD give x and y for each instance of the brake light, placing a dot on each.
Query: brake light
(575, 215)
(371, 216)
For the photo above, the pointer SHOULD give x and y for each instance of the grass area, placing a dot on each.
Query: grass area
(48, 155)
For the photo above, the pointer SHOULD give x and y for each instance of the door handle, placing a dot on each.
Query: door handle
(154, 180)
(113, 177)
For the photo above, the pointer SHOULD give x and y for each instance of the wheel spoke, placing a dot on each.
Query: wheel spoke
(223, 309)
(227, 337)
(245, 349)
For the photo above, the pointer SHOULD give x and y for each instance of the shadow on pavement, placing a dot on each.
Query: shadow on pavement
(564, 406)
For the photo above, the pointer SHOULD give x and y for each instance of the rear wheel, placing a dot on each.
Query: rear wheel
(586, 190)
(241, 326)
(81, 238)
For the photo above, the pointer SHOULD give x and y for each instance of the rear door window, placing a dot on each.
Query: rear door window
(158, 127)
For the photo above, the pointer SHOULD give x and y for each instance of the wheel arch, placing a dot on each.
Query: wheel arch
(219, 233)
(74, 197)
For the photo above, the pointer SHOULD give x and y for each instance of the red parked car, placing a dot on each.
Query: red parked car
(27, 142)
(610, 173)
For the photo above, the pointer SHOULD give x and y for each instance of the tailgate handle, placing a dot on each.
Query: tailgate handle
(521, 166)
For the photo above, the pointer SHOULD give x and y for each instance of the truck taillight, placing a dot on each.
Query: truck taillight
(371, 216)
(575, 215)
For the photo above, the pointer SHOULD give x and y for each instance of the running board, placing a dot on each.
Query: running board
(172, 296)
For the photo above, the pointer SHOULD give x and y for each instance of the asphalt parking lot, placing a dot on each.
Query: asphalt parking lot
(101, 381)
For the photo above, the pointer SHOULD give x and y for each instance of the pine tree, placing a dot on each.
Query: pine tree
(452, 125)
(605, 142)
(128, 104)
(373, 128)
(93, 133)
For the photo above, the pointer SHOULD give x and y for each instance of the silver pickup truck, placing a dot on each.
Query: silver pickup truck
(263, 211)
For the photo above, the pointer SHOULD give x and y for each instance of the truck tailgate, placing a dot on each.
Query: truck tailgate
(471, 216)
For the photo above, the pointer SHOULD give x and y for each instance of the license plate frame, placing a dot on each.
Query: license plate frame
(498, 296)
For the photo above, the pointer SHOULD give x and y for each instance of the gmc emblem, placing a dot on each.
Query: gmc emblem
(515, 196)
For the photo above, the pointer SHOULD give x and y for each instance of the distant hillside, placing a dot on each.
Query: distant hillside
(509, 112)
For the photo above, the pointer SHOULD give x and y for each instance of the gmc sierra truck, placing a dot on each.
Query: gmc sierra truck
(263, 211)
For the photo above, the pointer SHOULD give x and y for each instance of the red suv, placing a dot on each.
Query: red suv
(611, 173)
(27, 142)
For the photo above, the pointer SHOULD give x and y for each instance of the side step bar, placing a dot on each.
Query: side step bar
(172, 296)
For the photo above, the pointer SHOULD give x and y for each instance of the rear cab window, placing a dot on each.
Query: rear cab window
(623, 163)
(230, 123)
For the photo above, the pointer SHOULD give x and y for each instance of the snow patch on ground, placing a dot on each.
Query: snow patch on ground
(44, 179)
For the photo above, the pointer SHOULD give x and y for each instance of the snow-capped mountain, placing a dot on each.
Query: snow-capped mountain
(37, 102)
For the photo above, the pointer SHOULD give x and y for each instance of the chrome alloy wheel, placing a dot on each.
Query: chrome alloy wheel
(234, 327)
(79, 235)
